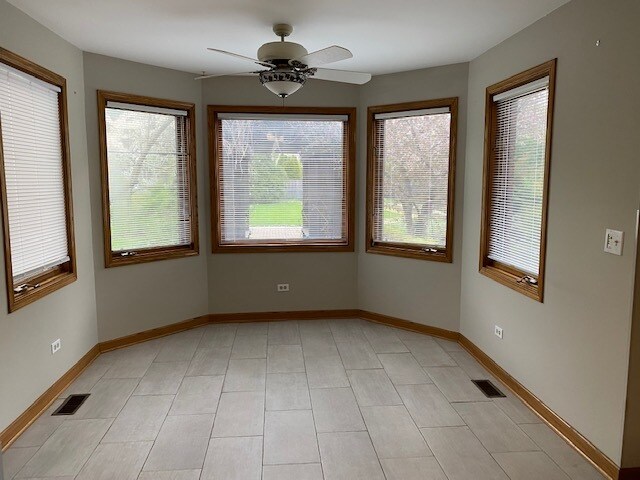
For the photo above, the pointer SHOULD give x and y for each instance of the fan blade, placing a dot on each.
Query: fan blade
(342, 76)
(324, 56)
(203, 77)
(236, 55)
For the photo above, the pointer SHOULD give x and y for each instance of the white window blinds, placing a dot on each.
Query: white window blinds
(32, 154)
(517, 177)
(411, 178)
(148, 170)
(282, 178)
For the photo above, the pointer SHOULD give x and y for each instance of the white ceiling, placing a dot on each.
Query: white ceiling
(384, 35)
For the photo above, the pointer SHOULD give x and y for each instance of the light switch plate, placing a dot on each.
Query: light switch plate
(613, 241)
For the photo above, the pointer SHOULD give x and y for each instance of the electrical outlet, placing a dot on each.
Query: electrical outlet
(498, 332)
(283, 287)
(55, 346)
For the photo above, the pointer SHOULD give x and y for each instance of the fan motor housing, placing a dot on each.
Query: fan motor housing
(280, 51)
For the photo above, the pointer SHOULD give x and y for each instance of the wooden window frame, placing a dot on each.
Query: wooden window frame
(66, 273)
(501, 273)
(290, 246)
(408, 250)
(144, 255)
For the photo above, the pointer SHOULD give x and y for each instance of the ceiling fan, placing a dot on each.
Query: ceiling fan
(288, 65)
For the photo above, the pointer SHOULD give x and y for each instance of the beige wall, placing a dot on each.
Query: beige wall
(134, 298)
(246, 282)
(571, 351)
(27, 368)
(416, 290)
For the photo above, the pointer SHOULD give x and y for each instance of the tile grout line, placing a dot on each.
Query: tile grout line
(146, 458)
(424, 368)
(304, 359)
(549, 456)
(487, 450)
(226, 372)
(215, 419)
(362, 416)
(215, 413)
(166, 415)
(412, 419)
(264, 404)
(92, 451)
(407, 410)
(315, 426)
(410, 416)
(443, 396)
(206, 452)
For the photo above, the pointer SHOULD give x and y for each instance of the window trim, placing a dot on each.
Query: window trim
(156, 253)
(267, 247)
(406, 250)
(66, 273)
(504, 274)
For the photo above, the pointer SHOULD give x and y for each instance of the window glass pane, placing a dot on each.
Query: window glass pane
(412, 180)
(517, 185)
(148, 165)
(32, 152)
(282, 180)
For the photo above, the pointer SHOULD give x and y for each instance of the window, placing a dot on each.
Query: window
(410, 181)
(283, 178)
(36, 181)
(519, 114)
(147, 147)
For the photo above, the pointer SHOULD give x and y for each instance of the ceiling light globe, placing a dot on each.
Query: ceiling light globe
(283, 89)
(282, 83)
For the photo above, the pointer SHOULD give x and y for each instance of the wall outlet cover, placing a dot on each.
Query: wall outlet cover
(613, 240)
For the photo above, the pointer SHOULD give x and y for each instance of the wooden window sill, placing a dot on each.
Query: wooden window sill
(282, 247)
(407, 252)
(151, 255)
(47, 286)
(512, 281)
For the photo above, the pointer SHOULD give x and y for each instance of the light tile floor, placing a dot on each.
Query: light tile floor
(333, 399)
